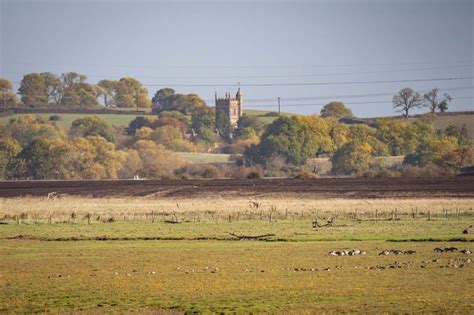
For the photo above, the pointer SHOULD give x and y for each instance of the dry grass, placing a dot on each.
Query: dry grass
(83, 205)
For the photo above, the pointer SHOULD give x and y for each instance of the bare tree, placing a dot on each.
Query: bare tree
(433, 102)
(407, 99)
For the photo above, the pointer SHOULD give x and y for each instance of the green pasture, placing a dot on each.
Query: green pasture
(205, 158)
(67, 119)
(156, 267)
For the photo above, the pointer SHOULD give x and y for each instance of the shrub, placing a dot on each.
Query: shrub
(210, 172)
(305, 175)
(253, 175)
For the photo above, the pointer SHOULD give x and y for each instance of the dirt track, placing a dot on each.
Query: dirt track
(462, 187)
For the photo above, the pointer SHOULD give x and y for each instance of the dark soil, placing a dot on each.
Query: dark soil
(460, 187)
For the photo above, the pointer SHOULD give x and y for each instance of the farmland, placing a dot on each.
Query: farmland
(66, 119)
(261, 246)
(322, 187)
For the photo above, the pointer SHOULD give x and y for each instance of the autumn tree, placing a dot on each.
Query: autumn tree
(106, 89)
(223, 125)
(27, 128)
(9, 151)
(336, 110)
(129, 92)
(80, 94)
(431, 151)
(399, 137)
(68, 79)
(285, 137)
(172, 138)
(93, 157)
(162, 98)
(406, 100)
(186, 104)
(361, 133)
(351, 158)
(157, 162)
(247, 121)
(39, 162)
(140, 122)
(203, 124)
(460, 133)
(54, 87)
(174, 119)
(320, 140)
(434, 102)
(39, 89)
(7, 96)
(338, 132)
(131, 166)
(91, 126)
(33, 90)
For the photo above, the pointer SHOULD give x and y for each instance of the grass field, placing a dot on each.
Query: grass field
(54, 259)
(441, 122)
(123, 120)
(205, 158)
(67, 119)
(262, 115)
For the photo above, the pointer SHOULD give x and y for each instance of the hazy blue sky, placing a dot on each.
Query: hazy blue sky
(164, 43)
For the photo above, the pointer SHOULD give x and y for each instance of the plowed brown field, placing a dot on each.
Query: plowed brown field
(460, 187)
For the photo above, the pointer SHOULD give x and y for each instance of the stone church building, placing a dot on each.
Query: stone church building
(230, 107)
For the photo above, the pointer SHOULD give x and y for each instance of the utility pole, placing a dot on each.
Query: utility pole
(278, 106)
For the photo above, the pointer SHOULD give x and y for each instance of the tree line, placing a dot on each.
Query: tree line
(91, 148)
(71, 89)
(34, 147)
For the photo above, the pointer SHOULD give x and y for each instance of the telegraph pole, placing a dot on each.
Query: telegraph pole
(278, 106)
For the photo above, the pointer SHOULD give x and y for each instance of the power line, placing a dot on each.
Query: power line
(348, 103)
(291, 75)
(304, 98)
(313, 83)
(312, 98)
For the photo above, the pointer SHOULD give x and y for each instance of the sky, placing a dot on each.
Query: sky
(305, 52)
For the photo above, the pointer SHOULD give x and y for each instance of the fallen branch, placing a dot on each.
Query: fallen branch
(317, 225)
(251, 237)
(171, 222)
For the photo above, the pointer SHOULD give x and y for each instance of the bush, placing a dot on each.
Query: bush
(253, 175)
(305, 175)
(210, 172)
(54, 118)
(199, 171)
(423, 171)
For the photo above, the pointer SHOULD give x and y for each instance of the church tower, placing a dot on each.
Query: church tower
(231, 107)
